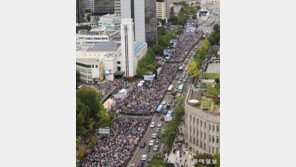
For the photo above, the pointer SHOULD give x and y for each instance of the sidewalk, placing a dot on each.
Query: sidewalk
(185, 157)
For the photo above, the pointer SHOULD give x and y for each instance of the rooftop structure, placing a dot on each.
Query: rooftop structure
(110, 21)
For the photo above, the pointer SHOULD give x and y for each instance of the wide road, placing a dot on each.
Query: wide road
(139, 152)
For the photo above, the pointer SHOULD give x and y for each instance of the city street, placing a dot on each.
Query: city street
(139, 152)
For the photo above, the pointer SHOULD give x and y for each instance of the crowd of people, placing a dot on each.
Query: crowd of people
(143, 100)
(117, 148)
(185, 43)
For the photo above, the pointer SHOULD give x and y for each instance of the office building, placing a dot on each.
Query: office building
(94, 36)
(102, 7)
(163, 11)
(131, 51)
(150, 21)
(202, 128)
(79, 11)
(117, 7)
(89, 5)
(103, 59)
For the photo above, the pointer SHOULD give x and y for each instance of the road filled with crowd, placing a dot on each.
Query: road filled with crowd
(117, 148)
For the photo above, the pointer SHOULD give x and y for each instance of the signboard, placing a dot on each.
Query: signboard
(148, 77)
(103, 131)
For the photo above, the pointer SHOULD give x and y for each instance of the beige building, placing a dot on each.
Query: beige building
(117, 7)
(202, 129)
(162, 10)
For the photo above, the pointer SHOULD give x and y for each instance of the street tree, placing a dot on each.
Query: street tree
(192, 69)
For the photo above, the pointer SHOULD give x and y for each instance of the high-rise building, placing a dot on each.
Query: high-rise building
(89, 5)
(134, 9)
(150, 21)
(117, 7)
(102, 7)
(79, 11)
(133, 45)
(163, 11)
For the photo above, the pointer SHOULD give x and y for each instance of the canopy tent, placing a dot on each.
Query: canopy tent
(193, 101)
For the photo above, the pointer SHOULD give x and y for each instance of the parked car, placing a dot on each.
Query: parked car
(152, 125)
(158, 129)
(151, 142)
(164, 102)
(155, 148)
(154, 135)
(159, 124)
(144, 157)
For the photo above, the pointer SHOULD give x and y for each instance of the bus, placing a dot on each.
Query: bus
(170, 89)
(180, 88)
(159, 109)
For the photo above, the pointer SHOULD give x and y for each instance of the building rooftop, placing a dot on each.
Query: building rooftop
(138, 46)
(104, 46)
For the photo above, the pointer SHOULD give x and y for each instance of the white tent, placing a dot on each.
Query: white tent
(193, 101)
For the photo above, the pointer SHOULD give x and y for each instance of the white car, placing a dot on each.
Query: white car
(151, 143)
(154, 135)
(144, 157)
(159, 125)
(152, 125)
(163, 103)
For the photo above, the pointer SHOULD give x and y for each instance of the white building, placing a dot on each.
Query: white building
(94, 36)
(89, 59)
(133, 45)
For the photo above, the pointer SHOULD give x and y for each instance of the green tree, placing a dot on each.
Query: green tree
(88, 17)
(192, 69)
(194, 17)
(77, 76)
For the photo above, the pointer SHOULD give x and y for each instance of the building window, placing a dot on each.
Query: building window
(205, 146)
(217, 128)
(190, 118)
(210, 149)
(205, 135)
(201, 134)
(209, 138)
(193, 140)
(197, 132)
(96, 66)
(217, 150)
(213, 139)
(190, 139)
(193, 130)
(205, 125)
(197, 121)
(200, 144)
(213, 127)
(209, 126)
(200, 123)
(193, 119)
(92, 66)
(217, 138)
(213, 150)
(197, 142)
(118, 62)
(118, 68)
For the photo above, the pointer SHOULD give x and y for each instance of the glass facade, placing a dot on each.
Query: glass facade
(150, 21)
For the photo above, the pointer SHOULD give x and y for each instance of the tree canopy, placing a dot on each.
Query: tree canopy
(89, 110)
(192, 69)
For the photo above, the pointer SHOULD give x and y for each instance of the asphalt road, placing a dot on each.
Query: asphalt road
(139, 152)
